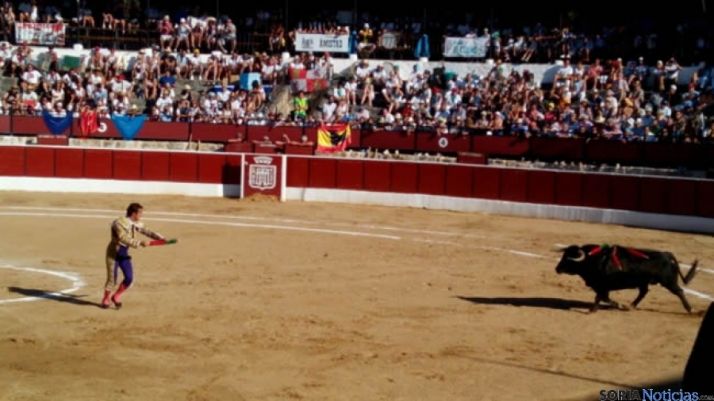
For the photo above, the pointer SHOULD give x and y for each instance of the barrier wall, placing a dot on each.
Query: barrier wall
(686, 204)
(213, 168)
(554, 149)
(659, 195)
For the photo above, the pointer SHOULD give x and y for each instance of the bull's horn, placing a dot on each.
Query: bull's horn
(580, 258)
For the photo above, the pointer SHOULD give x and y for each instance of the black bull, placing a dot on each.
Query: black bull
(606, 269)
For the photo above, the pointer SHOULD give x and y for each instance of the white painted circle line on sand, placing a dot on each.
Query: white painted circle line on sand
(74, 278)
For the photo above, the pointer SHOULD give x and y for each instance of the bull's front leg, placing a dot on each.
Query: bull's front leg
(643, 291)
(616, 304)
(596, 304)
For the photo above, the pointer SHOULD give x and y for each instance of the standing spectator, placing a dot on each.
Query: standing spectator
(300, 107)
(351, 91)
(7, 21)
(166, 31)
(671, 70)
(328, 109)
(276, 40)
(366, 41)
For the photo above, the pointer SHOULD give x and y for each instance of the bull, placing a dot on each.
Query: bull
(610, 268)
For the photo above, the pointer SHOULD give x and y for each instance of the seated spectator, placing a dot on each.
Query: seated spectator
(183, 32)
(86, 19)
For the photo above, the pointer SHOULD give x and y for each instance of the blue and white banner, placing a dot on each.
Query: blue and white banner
(128, 126)
(465, 47)
(57, 125)
(317, 42)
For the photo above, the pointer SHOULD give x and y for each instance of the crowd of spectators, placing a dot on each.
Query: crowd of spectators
(191, 29)
(615, 100)
(590, 97)
(148, 83)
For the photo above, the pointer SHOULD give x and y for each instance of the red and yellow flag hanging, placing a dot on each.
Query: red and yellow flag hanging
(333, 138)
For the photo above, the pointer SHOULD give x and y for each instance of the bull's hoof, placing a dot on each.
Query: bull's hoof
(623, 307)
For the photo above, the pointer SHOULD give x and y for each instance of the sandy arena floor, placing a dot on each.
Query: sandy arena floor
(304, 301)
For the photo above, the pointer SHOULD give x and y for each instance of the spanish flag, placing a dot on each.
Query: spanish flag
(333, 138)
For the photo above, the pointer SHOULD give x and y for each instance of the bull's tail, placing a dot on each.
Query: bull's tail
(690, 274)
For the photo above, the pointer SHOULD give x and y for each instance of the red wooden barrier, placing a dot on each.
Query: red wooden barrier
(232, 170)
(155, 166)
(653, 197)
(500, 146)
(12, 160)
(298, 174)
(665, 154)
(472, 158)
(205, 132)
(265, 149)
(52, 140)
(681, 197)
(459, 181)
(487, 183)
(432, 179)
(69, 163)
(596, 190)
(322, 173)
(274, 133)
(28, 125)
(158, 131)
(404, 178)
(569, 189)
(388, 140)
(127, 165)
(98, 163)
(350, 174)
(183, 167)
(614, 152)
(556, 148)
(377, 176)
(238, 147)
(705, 198)
(4, 124)
(624, 192)
(514, 185)
(541, 187)
(430, 142)
(648, 194)
(211, 168)
(40, 162)
(291, 149)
